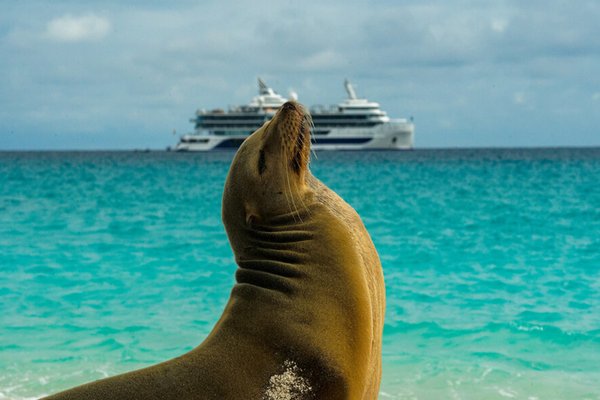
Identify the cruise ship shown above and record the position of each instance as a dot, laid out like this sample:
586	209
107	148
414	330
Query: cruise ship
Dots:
353	124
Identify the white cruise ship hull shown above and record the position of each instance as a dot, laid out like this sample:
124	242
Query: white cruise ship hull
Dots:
393	135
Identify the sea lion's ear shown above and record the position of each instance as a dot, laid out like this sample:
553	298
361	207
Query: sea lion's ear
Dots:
251	214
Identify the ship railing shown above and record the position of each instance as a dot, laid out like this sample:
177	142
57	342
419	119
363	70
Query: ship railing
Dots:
319	108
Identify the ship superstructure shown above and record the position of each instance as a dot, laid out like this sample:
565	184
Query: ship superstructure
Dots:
353	124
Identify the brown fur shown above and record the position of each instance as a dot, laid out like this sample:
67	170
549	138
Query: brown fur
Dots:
305	318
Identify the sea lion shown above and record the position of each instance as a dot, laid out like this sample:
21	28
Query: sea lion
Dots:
305	317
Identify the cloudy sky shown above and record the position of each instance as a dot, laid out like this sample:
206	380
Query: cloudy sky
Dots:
105	75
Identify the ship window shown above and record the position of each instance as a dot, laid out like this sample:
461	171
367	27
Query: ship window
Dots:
195	140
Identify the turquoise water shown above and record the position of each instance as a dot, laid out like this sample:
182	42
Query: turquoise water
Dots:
114	261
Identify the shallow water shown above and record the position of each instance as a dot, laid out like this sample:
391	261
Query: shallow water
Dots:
114	261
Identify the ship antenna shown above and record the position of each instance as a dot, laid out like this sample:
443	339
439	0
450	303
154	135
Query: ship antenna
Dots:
350	90
262	87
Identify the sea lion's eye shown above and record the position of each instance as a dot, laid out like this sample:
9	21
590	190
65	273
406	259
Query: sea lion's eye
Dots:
261	162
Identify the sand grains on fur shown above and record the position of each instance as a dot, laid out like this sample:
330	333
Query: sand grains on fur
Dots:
289	385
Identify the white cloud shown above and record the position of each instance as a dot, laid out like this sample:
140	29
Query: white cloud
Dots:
596	96
322	59
519	98
498	25
69	28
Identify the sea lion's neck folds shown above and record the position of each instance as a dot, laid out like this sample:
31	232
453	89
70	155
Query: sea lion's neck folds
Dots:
274	253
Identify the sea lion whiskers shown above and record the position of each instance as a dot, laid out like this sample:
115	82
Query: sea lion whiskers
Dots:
305	139
287	190
283	157
313	139
297	145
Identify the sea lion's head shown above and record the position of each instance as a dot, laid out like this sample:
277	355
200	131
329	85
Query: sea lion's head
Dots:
268	175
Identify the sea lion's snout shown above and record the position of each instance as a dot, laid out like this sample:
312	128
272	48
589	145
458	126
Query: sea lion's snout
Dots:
291	113
290	105
292	125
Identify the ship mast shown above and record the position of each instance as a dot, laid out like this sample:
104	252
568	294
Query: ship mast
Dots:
263	88
350	90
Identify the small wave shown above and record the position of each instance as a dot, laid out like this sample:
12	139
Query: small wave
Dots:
529	347
529	328
507	359
507	393
539	331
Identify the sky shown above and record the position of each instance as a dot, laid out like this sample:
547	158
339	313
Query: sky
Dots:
108	75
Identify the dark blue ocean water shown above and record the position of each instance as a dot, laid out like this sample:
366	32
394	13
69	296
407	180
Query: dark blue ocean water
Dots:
114	261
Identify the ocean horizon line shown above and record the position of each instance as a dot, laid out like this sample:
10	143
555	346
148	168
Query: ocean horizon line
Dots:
434	148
